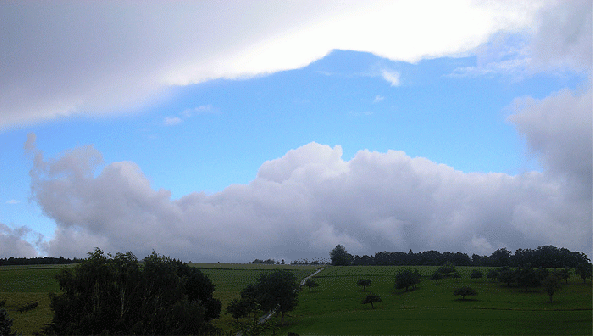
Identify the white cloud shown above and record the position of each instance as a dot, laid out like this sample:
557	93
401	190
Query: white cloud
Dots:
309	200
378	98
12	202
93	58
391	76
170	121
13	243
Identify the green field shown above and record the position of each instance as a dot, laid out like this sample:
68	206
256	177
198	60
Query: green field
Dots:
20	285
335	306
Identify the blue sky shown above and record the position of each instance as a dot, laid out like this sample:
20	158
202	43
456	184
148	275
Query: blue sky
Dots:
284	127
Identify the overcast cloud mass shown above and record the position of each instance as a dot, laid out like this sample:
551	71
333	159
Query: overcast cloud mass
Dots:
311	199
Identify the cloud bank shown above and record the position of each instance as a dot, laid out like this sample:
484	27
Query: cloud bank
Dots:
92	58
14	244
309	200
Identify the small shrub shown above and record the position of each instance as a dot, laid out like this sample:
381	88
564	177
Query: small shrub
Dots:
476	274
492	274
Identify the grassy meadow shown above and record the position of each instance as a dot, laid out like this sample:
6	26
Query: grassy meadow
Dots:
21	285
335	306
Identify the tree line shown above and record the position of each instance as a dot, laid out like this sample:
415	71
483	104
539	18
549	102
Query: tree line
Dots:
37	261
543	256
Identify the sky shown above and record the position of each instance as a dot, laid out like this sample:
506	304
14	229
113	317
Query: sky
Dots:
228	131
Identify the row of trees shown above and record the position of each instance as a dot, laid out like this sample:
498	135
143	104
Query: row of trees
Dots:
118	295
37	261
543	256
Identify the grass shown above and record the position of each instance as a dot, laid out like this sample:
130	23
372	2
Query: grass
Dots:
335	306
21	285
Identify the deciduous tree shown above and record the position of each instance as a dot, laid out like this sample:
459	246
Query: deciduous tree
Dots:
464	291
364	283
105	294
552	284
371	298
340	257
407	278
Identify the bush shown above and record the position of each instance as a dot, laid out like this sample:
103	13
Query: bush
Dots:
446	271
476	274
492	274
5	321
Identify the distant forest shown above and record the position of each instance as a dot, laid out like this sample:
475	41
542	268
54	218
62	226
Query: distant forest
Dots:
37	261
543	256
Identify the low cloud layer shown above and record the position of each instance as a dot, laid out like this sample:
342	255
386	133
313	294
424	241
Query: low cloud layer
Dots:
309	200
13	242
92	58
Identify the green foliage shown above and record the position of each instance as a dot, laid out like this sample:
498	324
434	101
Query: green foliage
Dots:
340	257
407	278
492	274
465	291
5	321
552	284
117	296
371	298
476	274
564	274
446	271
527	277
276	290
506	275
584	270
364	283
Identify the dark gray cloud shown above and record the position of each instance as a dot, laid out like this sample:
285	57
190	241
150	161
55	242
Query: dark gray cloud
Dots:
309	200
13	242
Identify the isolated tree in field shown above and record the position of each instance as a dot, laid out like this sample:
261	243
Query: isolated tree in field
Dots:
476	274
311	283
552	284
277	290
371	298
564	274
364	283
506	275
340	257
492	274
407	278
527	277
584	270
464	291
114	295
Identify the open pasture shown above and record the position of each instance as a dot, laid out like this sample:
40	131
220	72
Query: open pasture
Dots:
335	306
20	285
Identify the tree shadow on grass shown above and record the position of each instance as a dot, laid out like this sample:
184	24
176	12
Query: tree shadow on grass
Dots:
467	300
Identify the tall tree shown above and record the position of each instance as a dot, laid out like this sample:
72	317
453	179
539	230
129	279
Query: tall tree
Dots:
371	298
340	257
277	290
